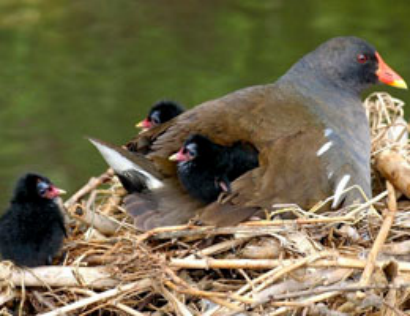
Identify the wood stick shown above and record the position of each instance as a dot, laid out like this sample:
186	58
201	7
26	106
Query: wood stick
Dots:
190	290
274	275
127	309
381	237
341	288
299	221
210	231
178	305
262	264
5	297
119	305
288	269
139	285
214	297
394	168
90	186
391	297
327	276
311	300
59	276
98	221
220	247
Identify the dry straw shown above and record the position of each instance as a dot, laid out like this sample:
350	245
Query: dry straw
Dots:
350	262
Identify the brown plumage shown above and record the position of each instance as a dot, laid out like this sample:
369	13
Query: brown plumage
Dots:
309	127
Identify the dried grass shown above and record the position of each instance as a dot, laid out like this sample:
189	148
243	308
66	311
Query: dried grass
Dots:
350	262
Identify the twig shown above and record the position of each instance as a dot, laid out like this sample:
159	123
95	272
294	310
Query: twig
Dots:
5	297
261	264
393	309
90	186
43	300
183	310
211	231
310	300
381	237
98	221
340	288
139	285
127	309
58	276
393	167
299	221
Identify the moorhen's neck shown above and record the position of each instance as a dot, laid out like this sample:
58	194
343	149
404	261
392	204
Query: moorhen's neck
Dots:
332	102
314	76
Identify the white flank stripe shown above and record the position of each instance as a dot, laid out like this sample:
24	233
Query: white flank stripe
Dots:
330	174
339	190
328	132
121	164
324	148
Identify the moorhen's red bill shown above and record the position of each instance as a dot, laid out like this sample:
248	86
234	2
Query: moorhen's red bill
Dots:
160	112
309	128
32	229
206	169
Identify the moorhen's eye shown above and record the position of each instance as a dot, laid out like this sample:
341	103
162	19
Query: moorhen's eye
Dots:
361	58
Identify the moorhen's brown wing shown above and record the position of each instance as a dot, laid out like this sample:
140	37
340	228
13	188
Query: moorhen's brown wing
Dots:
284	132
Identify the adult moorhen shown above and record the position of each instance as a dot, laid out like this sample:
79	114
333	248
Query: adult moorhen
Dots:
160	112
32	229
309	128
206	169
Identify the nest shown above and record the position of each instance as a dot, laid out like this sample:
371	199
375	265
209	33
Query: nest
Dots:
353	261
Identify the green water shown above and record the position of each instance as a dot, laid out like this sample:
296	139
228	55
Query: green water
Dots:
71	68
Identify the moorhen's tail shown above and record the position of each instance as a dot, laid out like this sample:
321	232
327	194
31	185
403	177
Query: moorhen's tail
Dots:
135	172
152	200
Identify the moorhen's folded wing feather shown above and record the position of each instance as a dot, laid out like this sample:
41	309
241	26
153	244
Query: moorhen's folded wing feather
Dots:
167	206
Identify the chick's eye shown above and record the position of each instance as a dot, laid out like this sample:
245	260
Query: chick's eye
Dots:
361	58
42	187
155	118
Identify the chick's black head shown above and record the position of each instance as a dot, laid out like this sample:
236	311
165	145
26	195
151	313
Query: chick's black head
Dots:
196	147
164	111
32	186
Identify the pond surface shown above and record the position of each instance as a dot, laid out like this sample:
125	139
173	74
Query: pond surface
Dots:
71	68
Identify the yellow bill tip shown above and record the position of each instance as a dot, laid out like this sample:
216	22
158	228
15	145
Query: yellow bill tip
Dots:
400	84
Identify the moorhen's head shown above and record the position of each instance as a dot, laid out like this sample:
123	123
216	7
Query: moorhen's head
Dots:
160	113
349	63
195	147
34	187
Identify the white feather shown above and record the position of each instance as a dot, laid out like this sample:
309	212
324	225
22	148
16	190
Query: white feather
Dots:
328	132
324	148
339	190
121	164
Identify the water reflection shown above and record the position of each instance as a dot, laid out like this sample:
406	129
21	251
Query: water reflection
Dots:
76	68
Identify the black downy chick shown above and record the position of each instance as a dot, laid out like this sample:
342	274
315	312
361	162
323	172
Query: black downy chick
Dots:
160	113
206	169
32	228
